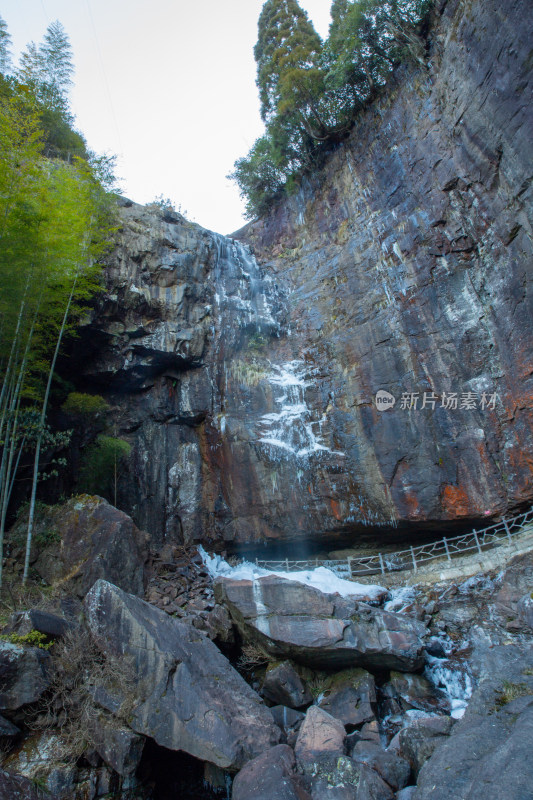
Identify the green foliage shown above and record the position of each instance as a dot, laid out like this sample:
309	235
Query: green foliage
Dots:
311	92
286	53
47	69
56	223
257	342
5	45
102	465
86	404
32	639
47	537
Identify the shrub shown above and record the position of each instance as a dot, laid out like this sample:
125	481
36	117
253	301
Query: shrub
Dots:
88	404
32	639
79	668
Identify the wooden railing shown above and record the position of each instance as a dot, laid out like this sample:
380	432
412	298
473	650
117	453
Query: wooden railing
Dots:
413	558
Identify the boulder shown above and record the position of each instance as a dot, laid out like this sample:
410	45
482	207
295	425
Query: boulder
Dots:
219	625
7	728
16	787
334	778
372	786
406	794
23	622
417	741
46	761
23	675
320	735
268	776
404	692
350	696
287	718
341	778
370	732
393	769
487	753
96	541
292	620
283	685
119	747
188	696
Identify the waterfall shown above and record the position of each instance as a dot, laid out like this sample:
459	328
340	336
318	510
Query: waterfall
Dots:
245	297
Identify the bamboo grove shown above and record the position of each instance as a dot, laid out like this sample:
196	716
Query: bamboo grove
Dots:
56	220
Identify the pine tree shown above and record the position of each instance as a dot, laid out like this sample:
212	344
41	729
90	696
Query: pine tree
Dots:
287	44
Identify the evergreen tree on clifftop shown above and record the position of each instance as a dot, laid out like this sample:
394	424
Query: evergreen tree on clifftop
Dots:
311	92
287	54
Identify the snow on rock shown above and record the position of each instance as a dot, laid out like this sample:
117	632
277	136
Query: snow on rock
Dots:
319	578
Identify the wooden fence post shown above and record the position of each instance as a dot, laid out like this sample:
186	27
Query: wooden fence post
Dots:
349	566
477	541
256	562
446	548
414	559
381	564
287	564
508	532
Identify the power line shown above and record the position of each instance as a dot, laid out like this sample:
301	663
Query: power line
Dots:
106	82
44	12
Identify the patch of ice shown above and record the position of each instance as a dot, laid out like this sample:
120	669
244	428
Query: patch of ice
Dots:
292	429
456	683
478	582
401	597
320	578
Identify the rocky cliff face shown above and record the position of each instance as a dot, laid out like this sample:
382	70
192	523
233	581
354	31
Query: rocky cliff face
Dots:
247	384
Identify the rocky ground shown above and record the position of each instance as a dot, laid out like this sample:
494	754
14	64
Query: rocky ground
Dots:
193	688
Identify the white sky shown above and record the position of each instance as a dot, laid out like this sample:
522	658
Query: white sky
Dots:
168	86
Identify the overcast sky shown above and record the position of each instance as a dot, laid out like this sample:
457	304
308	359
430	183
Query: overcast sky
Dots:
168	86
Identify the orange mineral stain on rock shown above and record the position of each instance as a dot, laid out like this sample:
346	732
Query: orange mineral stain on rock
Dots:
335	509
455	501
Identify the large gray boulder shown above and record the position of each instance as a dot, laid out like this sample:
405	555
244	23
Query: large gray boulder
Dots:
188	696
488	753
96	541
392	768
17	787
270	775
320	735
24	675
291	620
418	741
282	685
350	696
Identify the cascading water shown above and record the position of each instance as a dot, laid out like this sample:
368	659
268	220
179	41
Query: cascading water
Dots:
267	407
244	296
